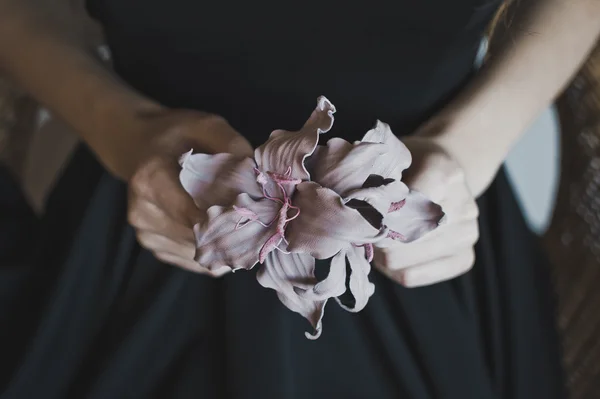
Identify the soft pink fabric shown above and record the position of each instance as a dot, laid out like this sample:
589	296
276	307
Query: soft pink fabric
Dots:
297	201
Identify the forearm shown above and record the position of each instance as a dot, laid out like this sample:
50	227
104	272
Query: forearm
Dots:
42	48
532	59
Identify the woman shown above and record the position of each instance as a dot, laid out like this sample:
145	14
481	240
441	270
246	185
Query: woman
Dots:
101	318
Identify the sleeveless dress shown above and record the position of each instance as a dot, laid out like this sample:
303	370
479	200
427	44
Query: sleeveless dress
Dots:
86	313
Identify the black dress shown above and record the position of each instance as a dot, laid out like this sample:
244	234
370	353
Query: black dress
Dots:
88	314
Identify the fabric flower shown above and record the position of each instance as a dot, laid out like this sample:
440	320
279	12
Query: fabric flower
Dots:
367	177
296	202
371	171
268	183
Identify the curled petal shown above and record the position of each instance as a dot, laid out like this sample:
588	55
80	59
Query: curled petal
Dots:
284	273
217	179
325	225
416	217
333	285
230	238
360	286
344	167
286	151
381	197
398	152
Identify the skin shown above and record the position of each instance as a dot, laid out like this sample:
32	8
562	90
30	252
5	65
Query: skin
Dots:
460	150
456	154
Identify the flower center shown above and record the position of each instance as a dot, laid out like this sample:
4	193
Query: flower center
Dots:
274	182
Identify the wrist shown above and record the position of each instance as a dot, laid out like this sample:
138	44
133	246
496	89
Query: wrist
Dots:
120	129
472	141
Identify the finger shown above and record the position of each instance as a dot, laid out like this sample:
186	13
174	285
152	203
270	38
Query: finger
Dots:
157	181
190	265
444	241
458	203
436	271
225	138
469	210
146	216
437	179
158	243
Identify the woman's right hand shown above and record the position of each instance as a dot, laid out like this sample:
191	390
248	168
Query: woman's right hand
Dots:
135	138
160	210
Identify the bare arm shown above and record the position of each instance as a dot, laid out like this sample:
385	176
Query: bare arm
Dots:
532	59
43	47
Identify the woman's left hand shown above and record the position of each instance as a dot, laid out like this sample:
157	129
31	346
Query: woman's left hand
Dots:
447	251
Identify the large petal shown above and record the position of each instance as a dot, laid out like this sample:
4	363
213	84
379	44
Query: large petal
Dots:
399	157
285	273
230	236
325	225
217	179
333	285
286	151
344	167
416	217
360	286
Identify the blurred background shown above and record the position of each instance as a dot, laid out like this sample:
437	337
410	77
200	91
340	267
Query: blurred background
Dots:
533	168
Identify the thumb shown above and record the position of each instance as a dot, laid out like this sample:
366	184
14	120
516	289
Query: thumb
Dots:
224	138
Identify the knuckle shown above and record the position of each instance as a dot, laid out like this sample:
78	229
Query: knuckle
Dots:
141	181
471	210
454	173
466	233
468	259
135	216
385	259
144	240
139	185
472	234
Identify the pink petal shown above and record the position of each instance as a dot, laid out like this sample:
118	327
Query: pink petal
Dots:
286	149
220	242
325	225
333	285
398	154
217	179
284	273
360	286
382	197
344	167
417	217
269	246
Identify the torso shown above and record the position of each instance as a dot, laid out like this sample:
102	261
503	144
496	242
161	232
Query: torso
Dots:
262	64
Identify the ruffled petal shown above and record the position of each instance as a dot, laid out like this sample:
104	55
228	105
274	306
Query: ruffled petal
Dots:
325	225
413	218
217	179
236	236
344	167
333	285
360	286
284	273
286	151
